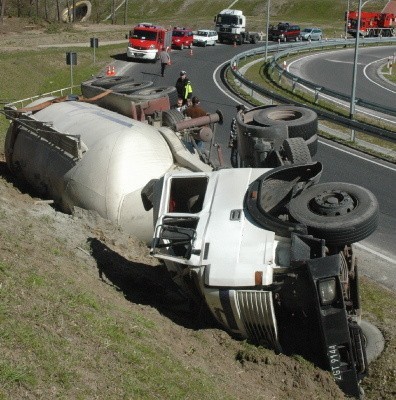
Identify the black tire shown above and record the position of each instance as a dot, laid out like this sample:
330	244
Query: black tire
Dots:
156	92
131	87
296	151
109	81
301	121
171	117
374	340
341	213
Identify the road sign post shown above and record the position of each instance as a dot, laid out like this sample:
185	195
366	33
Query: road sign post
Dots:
71	59
94	43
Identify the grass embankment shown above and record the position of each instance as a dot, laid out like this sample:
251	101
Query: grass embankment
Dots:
38	72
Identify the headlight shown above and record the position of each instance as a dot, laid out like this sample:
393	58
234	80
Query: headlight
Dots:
152	46
327	291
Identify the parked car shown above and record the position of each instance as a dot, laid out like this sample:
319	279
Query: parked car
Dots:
284	32
182	37
311	34
205	37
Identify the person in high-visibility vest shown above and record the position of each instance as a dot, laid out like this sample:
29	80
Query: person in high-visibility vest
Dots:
184	87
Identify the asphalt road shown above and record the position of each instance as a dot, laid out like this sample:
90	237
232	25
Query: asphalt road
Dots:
340	164
334	70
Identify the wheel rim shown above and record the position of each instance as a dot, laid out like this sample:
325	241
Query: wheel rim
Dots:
332	203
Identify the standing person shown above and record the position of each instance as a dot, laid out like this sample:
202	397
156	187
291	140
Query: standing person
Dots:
183	87
195	110
233	142
165	60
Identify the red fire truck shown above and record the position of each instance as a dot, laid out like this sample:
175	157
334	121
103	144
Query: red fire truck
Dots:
145	40
371	23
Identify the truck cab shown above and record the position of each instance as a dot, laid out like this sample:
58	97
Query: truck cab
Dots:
229	23
146	40
227	237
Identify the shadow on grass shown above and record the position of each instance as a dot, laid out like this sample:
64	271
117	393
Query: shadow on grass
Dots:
150	285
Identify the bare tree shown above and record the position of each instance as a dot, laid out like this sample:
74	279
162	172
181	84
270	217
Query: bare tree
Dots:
3	4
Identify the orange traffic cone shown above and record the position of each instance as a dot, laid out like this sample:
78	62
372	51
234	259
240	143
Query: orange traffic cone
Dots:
113	71
108	71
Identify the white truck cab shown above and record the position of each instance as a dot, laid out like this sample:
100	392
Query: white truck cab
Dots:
232	238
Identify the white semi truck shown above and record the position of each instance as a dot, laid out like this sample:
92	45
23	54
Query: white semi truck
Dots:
230	26
267	247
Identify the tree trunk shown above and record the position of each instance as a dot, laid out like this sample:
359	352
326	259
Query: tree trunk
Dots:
3	4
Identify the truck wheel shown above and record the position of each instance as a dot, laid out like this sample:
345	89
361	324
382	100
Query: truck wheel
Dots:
109	81
155	92
131	87
301	121
296	151
341	213
171	117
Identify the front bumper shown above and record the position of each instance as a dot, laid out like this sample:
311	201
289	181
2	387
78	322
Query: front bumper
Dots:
141	54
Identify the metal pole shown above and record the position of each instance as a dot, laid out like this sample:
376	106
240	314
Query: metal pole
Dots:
71	77
346	22
355	61
94	49
266	30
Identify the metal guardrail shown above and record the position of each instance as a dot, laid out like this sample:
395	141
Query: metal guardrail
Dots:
299	48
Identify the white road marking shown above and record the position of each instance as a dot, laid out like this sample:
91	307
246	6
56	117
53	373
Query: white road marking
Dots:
376	253
336	101
376	83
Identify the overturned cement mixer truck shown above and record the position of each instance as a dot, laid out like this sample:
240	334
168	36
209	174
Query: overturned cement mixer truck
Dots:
267	247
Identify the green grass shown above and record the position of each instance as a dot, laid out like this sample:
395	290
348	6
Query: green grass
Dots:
31	76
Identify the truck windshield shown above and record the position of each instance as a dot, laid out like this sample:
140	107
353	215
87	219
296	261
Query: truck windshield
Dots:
178	33
227	19
144	35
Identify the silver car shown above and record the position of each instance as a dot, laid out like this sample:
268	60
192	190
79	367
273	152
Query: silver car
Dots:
311	34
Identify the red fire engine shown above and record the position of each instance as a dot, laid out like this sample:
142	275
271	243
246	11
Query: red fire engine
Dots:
145	40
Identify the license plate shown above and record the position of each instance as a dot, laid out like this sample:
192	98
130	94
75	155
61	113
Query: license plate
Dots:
334	357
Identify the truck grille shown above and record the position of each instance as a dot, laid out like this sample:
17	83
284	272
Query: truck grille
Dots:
258	317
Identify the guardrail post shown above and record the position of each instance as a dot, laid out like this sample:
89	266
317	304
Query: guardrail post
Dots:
280	75
352	135
317	91
295	80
